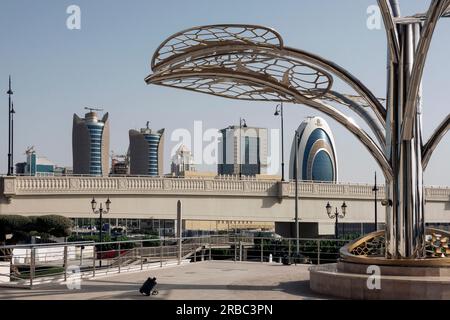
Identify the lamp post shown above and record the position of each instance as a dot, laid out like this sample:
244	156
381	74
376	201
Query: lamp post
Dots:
100	212
336	215
296	169
375	189
12	138
279	112
242	124
10	130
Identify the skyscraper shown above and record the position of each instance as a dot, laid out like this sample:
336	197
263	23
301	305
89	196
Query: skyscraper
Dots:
242	150
146	152
90	144
317	152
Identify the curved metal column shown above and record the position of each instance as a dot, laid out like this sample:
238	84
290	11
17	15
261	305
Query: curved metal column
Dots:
361	111
435	12
434	140
391	31
405	219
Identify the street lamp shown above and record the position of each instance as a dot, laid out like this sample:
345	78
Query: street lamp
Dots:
242	124
336	215
375	189
279	112
296	169
10	130
100	211
12	137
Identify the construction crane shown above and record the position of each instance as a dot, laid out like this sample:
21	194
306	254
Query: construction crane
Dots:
92	109
29	150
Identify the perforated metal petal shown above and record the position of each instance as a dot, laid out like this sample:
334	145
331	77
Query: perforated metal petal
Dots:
308	81
190	39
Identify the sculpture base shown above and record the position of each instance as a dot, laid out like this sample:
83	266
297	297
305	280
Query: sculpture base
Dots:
353	281
363	272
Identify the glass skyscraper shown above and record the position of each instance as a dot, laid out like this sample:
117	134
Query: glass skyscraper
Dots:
90	144
95	132
242	150
316	152
146	152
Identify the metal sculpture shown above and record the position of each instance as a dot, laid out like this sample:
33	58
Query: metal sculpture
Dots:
250	62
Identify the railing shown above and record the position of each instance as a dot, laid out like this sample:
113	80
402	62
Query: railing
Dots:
59	185
26	185
29	265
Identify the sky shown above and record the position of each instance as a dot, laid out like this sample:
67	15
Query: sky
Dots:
57	72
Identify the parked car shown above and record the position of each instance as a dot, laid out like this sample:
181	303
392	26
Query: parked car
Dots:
268	234
295	259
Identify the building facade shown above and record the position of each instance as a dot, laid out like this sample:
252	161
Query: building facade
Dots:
35	165
40	166
317	157
119	164
146	152
90	144
242	151
182	162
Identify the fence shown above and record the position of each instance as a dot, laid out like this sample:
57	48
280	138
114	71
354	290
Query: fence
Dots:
29	265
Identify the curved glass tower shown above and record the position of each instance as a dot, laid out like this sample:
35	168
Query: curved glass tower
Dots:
146	152
317	152
90	144
95	161
153	144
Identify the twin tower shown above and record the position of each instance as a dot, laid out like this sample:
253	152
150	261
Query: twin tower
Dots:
90	147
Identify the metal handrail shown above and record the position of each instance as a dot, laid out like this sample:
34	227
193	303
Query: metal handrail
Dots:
209	247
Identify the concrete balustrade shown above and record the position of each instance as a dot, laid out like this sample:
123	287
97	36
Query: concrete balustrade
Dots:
22	185
223	198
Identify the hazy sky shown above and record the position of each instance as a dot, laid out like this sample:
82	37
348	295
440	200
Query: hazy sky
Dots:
57	71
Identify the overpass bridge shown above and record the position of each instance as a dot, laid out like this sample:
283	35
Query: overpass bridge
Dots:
202	198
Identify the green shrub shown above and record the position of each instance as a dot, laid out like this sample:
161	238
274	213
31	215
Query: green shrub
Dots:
55	225
23	228
151	243
12	223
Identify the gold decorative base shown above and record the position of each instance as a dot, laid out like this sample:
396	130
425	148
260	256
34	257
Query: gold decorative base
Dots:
370	250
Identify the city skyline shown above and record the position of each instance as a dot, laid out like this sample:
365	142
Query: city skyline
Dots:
110	74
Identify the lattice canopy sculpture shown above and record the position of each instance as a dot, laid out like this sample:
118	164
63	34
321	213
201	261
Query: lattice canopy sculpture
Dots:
250	62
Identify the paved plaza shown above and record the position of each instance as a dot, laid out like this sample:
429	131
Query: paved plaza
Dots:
215	280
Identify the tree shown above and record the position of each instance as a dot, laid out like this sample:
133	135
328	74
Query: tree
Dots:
57	226
22	227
